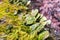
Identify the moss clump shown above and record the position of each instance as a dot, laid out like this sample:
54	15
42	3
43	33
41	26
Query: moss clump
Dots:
19	24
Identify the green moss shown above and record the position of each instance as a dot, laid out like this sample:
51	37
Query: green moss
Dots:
22	25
